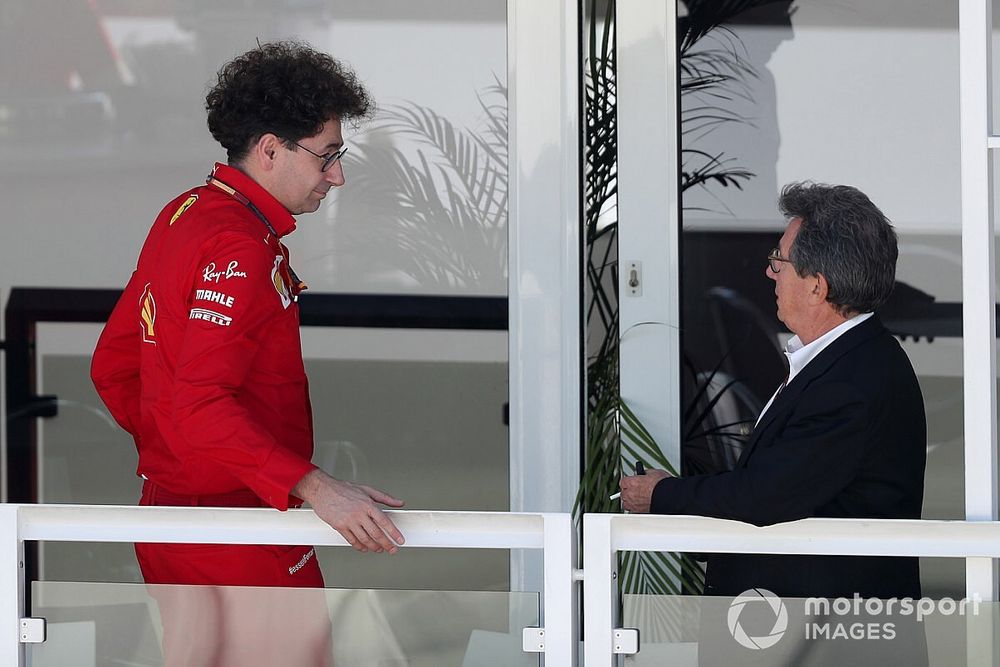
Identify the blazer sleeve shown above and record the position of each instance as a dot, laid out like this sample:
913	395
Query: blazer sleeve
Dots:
808	460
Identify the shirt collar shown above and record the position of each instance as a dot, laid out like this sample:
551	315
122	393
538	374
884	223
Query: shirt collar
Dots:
273	210
799	355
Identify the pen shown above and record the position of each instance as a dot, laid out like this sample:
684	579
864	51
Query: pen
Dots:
639	470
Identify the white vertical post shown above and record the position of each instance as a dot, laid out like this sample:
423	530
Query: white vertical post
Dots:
561	611
978	279
649	216
11	587
545	350
600	590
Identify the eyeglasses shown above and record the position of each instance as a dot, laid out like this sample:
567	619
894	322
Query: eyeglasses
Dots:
774	260
327	158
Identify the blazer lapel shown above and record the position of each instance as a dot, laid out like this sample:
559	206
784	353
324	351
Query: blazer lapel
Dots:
789	396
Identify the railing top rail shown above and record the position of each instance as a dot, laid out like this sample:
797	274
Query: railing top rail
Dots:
862	537
224	525
508	530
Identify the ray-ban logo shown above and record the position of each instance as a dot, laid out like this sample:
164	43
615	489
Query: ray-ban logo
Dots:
211	275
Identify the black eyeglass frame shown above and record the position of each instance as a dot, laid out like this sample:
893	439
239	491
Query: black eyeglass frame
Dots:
328	158
773	258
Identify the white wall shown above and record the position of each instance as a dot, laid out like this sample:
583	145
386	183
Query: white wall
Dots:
854	94
76	209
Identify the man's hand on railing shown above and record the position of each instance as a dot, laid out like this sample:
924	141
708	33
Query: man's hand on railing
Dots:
637	490
352	511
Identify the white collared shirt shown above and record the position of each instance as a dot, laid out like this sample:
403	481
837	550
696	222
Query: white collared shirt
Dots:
799	355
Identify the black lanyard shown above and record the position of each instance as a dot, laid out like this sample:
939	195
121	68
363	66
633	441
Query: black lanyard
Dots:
297	284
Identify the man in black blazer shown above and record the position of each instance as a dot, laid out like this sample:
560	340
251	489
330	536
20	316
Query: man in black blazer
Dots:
845	436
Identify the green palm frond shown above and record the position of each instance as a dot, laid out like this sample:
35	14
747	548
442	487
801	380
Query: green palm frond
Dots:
713	73
657	573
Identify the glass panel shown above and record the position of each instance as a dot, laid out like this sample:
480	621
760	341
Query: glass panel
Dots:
110	114
761	629
134	624
122	91
410	427
809	108
84	457
994	73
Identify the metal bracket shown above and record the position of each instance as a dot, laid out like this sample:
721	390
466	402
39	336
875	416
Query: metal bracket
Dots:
32	630
626	641
533	640
45	406
634	278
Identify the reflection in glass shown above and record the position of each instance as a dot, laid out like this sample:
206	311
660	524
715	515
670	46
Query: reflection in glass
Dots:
111	624
853	125
758	628
102	120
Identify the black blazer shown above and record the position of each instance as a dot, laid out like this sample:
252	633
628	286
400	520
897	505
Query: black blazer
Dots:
846	438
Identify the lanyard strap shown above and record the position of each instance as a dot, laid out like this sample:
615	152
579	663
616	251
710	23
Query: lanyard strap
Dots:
297	284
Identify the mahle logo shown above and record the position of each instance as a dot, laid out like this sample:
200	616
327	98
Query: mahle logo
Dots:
757	598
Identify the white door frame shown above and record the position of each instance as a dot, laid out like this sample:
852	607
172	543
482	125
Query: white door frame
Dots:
544	284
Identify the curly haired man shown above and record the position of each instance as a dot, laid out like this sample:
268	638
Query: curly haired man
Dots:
201	359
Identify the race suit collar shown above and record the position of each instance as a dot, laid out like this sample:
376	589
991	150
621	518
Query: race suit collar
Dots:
276	214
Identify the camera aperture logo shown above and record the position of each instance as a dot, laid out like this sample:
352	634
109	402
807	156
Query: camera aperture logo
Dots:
757	597
839	619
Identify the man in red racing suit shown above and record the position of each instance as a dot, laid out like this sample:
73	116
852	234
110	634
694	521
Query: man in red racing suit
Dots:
201	360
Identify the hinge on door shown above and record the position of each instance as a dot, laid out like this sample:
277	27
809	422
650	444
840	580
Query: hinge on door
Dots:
32	630
626	641
533	640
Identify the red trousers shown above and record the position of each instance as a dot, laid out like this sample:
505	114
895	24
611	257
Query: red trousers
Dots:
235	604
223	564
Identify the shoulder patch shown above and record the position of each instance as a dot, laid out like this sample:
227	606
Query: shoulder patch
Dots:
188	203
278	281
147	315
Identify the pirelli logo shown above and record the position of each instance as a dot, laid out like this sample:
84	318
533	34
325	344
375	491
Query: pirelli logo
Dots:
210	316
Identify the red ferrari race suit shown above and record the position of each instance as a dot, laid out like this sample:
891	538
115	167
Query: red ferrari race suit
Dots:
201	362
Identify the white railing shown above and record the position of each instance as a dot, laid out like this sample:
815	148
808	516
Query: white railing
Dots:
552	533
607	534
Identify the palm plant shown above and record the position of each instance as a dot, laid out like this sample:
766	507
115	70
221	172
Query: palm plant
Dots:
710	76
443	205
439	207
